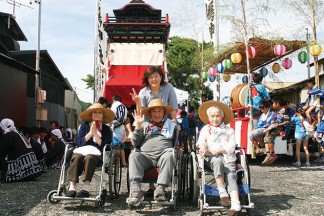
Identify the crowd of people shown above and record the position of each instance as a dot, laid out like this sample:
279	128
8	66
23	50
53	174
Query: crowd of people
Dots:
27	152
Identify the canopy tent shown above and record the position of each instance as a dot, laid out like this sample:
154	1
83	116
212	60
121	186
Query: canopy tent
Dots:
264	53
182	97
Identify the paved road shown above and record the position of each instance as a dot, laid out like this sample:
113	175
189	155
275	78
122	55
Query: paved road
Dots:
277	190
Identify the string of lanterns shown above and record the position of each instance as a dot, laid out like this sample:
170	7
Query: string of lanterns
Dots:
279	50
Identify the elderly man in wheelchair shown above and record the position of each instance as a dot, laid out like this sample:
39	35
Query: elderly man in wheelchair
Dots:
153	143
216	145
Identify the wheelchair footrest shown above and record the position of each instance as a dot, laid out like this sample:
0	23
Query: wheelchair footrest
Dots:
213	191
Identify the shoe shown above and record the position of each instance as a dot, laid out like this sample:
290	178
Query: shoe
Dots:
266	159
319	160
296	164
225	201
159	194
135	198
149	193
307	164
83	194
232	212
70	193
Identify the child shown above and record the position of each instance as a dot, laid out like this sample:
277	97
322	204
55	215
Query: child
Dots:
217	144
183	135
300	136
265	120
282	118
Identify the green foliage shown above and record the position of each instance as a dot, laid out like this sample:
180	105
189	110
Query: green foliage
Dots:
185	65
84	105
90	80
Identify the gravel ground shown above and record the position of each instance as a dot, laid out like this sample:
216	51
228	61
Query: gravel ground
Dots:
276	190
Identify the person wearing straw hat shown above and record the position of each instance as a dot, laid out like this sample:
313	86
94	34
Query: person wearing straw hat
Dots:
93	134
216	145
154	140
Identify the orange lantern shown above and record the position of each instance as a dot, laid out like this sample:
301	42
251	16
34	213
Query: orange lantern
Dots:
276	67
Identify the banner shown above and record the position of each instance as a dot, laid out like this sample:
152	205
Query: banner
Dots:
210	14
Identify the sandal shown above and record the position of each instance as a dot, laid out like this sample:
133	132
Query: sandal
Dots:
149	193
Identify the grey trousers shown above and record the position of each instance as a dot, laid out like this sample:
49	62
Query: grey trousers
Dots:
220	168
140	162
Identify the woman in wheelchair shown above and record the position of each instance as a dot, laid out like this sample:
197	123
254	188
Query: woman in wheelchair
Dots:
216	144
93	134
154	141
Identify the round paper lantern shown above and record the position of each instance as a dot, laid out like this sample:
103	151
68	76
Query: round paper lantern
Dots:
251	52
220	68
226	77
279	49
286	63
302	57
315	50
212	71
236	58
227	63
263	71
212	78
204	75
245	79
276	67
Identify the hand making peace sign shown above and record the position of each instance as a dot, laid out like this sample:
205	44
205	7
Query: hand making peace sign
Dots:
135	97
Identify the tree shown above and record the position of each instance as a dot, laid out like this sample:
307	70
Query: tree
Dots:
184	65
89	80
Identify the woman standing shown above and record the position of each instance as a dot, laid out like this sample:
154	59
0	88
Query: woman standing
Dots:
92	136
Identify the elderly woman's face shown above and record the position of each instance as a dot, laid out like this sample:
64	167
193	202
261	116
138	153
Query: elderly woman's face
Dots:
97	115
215	117
157	114
154	79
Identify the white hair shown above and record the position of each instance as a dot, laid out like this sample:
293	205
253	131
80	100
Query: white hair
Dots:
210	109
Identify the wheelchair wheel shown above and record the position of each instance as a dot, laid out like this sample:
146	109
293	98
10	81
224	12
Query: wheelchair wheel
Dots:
117	175
50	198
193	178
180	175
201	206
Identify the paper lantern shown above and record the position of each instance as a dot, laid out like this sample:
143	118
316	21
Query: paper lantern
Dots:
220	68
279	49
236	58
212	78
204	75
251	52
286	63
226	77
227	63
245	79
302	57
212	71
263	71
276	67
315	50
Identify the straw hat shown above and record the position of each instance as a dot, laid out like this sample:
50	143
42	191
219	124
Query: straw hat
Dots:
228	113
108	114
154	104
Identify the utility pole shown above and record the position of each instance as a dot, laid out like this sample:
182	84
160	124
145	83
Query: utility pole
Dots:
37	67
216	46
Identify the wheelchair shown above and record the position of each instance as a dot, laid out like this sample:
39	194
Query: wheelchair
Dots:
200	187
109	177
151	175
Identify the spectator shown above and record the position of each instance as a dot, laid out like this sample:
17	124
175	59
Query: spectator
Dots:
55	155
192	121
311	100
267	118
42	135
53	125
204	98
183	134
20	160
37	147
259	93
62	129
121	119
104	102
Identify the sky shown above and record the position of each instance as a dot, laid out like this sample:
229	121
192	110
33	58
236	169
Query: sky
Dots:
68	33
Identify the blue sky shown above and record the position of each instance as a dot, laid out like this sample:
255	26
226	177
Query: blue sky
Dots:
68	33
